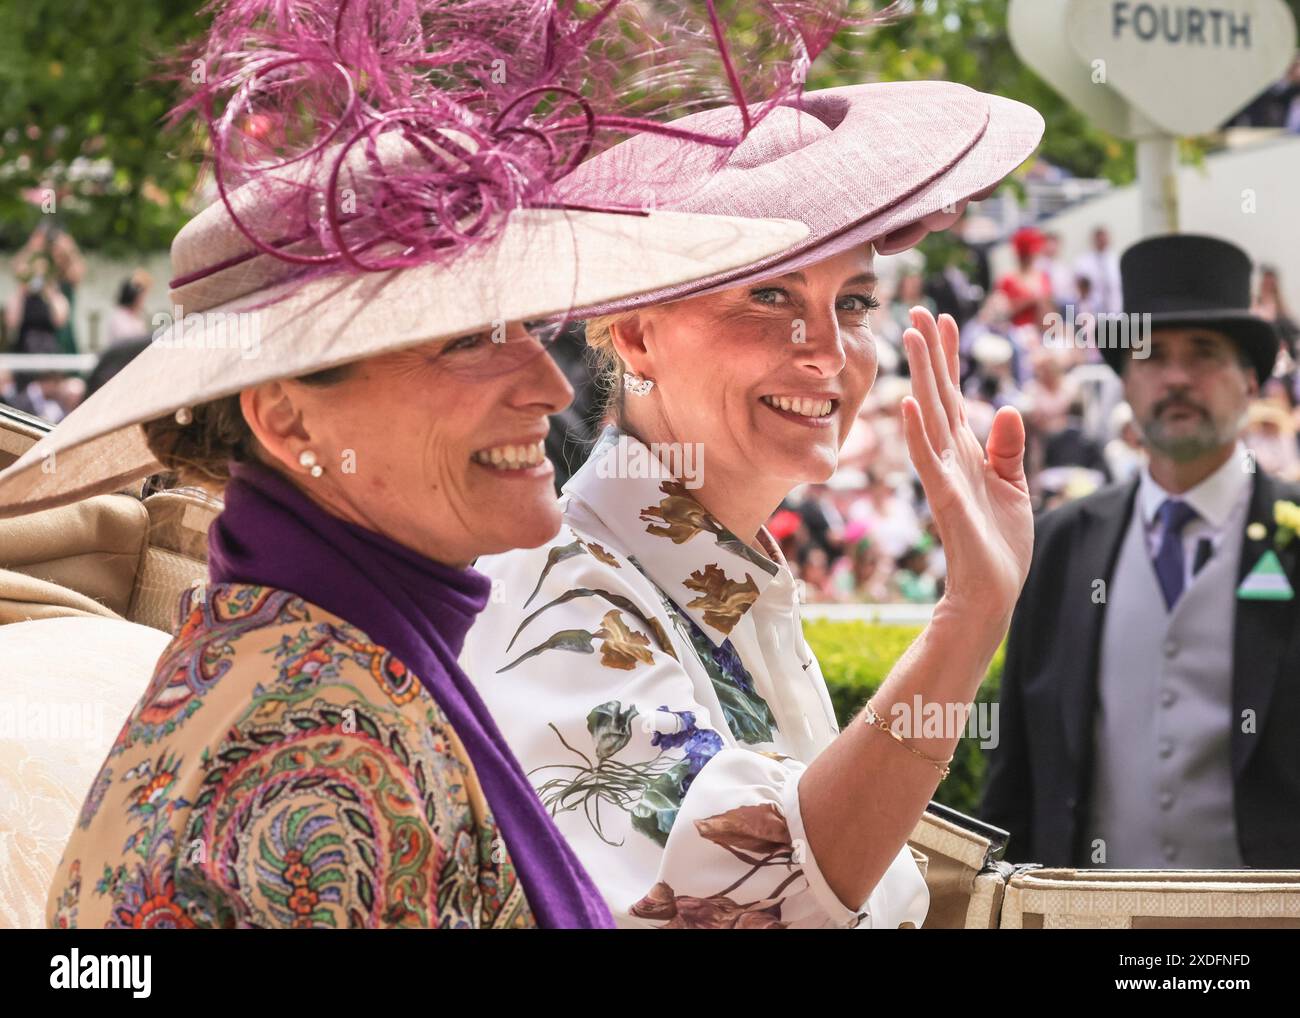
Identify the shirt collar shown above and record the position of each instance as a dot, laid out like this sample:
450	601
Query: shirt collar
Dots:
1214	498
706	570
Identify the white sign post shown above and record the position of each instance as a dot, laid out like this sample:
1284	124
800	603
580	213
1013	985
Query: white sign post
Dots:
1176	67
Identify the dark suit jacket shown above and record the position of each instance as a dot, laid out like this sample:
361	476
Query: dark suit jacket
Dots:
1039	774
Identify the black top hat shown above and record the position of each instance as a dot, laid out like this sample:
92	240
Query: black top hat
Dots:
1183	279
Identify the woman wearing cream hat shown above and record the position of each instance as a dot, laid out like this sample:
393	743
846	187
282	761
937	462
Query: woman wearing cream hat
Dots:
647	665
346	364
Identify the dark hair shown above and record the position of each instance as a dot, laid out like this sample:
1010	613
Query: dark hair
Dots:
200	452
127	293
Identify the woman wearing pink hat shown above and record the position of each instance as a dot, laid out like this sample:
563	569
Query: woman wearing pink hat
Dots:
346	364
647	665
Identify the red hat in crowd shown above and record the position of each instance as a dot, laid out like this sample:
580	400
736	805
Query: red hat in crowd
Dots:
1028	241
783	524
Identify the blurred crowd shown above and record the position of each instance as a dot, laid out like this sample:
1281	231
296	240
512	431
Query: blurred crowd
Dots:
867	534
1276	107
39	321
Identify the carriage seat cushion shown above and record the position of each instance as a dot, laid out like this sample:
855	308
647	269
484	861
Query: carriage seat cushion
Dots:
68	685
93	548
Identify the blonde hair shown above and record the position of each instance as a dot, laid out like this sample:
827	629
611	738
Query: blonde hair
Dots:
609	365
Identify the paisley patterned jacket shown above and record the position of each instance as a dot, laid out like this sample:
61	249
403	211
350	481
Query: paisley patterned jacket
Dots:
283	771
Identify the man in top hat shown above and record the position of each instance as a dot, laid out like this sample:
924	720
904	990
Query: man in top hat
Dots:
1149	700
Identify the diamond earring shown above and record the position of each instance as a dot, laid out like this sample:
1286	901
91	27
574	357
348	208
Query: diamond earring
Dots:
637	385
307	459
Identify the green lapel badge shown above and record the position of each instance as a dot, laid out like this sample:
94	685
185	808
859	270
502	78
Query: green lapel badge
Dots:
1267	581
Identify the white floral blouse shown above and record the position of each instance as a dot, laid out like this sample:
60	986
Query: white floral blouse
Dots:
649	671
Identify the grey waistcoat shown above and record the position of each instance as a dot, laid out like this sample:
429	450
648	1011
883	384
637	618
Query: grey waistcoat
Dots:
1162	779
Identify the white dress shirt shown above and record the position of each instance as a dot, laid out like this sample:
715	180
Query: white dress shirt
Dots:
1218	500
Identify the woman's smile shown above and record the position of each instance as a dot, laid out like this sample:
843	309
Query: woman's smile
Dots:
808	411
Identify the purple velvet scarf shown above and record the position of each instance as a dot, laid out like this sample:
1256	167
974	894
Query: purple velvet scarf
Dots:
273	535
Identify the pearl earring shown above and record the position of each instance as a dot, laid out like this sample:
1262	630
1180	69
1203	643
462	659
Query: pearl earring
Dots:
637	385
184	416
307	459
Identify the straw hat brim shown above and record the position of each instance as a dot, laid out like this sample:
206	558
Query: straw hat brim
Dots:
543	263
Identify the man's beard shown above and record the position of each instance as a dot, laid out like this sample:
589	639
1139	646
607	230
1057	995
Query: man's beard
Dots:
1184	446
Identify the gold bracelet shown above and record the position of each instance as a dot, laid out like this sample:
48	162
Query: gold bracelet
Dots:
876	721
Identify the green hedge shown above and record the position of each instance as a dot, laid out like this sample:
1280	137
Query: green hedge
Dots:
855	657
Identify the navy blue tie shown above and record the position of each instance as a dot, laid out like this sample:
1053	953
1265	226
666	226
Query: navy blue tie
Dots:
1173	515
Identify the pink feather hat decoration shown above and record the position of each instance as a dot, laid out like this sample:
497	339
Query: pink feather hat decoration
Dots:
501	98
387	174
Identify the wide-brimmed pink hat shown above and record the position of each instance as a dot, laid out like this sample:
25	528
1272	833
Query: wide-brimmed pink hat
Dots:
387	176
883	164
238	321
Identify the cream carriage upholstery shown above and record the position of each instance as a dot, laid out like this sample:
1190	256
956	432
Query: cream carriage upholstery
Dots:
87	597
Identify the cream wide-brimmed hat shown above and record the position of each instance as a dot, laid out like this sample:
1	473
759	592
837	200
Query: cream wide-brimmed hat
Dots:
238	320
388	176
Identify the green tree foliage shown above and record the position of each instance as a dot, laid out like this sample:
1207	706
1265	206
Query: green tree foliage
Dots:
856	657
79	82
80	109
966	41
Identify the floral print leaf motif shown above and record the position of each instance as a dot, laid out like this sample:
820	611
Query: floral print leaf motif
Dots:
622	647
602	555
610	726
760	829
659	903
682	517
605	780
759	836
723	601
739	548
619	601
302	868
578	640
746	713
656	811
651	791
553	558
716	912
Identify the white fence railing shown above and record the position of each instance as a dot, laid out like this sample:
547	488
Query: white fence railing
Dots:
887	614
73	363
